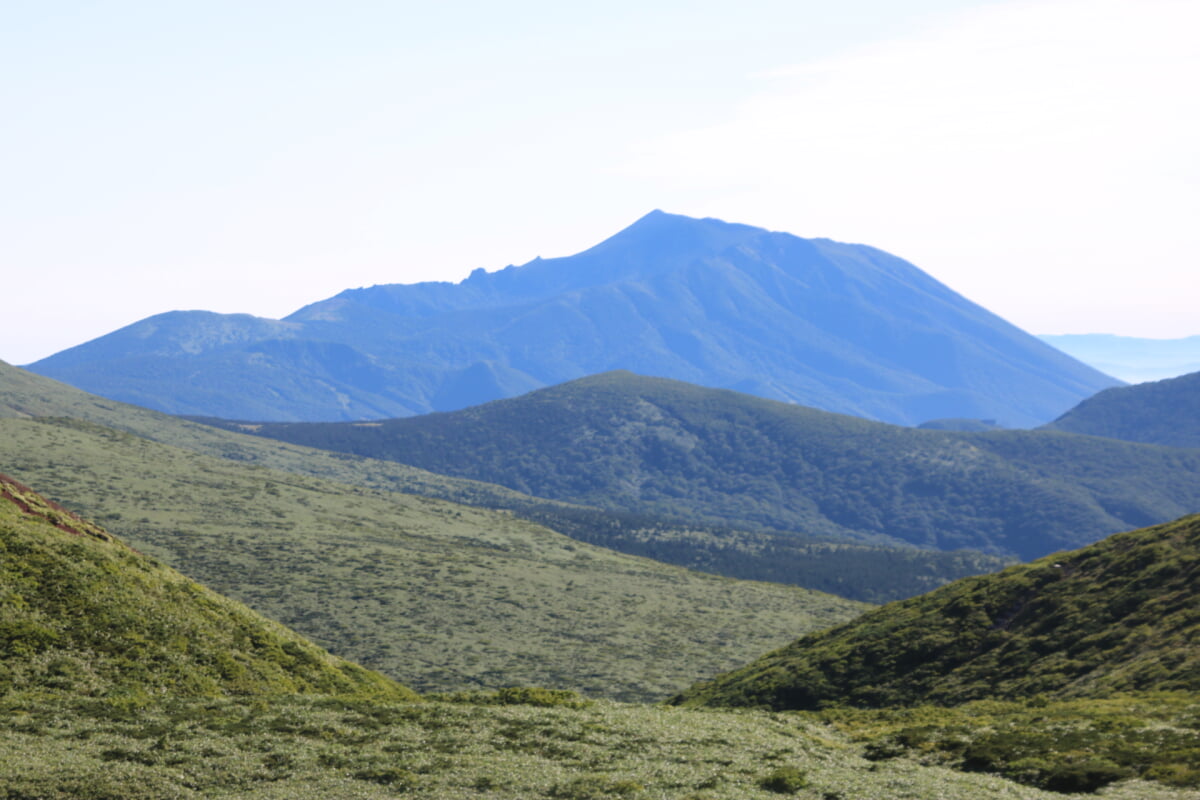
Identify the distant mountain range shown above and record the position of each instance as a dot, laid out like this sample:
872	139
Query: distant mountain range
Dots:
840	327
1130	358
655	446
1118	616
1160	412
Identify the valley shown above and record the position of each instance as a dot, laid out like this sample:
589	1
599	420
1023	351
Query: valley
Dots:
460	601
568	592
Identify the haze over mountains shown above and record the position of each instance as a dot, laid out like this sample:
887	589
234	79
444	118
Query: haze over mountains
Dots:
841	327
1131	358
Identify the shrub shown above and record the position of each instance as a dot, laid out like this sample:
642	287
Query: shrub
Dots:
1085	776
785	780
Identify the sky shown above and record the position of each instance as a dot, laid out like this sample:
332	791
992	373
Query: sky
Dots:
1039	158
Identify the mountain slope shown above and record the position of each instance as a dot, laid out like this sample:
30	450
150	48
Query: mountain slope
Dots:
82	613
861	572
842	327
438	595
622	441
1163	412
1120	615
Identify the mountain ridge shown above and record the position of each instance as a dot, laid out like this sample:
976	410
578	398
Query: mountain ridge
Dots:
843	327
438	595
1164	412
867	573
627	442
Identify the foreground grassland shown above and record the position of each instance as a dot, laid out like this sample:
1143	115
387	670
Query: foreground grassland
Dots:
437	596
489	747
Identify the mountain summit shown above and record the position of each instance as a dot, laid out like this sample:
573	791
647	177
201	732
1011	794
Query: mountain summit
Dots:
840	327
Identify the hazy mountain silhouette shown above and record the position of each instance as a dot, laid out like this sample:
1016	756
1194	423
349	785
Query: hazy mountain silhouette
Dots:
841	327
1131	358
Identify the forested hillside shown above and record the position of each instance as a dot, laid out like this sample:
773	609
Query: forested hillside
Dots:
1164	412
653	446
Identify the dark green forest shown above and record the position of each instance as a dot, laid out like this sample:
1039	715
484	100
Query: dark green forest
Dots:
1163	412
669	449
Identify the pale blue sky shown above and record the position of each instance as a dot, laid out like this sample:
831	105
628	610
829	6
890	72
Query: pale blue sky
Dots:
1038	157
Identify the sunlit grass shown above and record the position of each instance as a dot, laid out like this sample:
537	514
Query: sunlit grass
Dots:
348	748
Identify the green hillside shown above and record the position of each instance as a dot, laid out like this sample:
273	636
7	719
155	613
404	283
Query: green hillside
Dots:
436	595
464	597
872	573
625	442
1121	615
85	615
1164	412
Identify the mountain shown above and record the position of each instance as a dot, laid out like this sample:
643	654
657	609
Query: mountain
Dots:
1162	412
841	327
437	595
1130	358
626	442
868	572
82	613
1117	616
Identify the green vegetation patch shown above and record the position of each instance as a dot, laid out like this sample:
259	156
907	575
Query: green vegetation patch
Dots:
1061	746
81	613
1159	412
439	596
624	442
302	748
869	573
1121	615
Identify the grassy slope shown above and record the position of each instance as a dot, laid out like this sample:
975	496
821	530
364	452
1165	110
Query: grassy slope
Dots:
436	595
867	573
1117	616
82	613
1164	412
310	749
623	441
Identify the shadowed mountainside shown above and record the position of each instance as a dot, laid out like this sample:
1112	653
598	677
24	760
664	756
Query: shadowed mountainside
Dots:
869	573
1163	412
651	445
